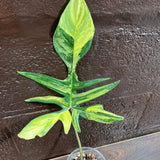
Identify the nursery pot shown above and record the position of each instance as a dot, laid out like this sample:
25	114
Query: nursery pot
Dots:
87	151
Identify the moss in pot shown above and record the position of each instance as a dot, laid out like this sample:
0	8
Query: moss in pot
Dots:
72	40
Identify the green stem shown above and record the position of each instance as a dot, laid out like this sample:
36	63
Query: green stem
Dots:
79	144
71	75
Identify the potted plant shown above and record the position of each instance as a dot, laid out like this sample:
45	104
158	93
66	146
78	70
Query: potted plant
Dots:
72	39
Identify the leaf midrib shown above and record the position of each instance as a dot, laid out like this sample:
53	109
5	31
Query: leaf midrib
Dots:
73	64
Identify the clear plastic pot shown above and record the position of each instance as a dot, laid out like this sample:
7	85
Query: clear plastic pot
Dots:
86	150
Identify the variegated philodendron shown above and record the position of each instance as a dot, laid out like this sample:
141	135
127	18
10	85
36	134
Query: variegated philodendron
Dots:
72	39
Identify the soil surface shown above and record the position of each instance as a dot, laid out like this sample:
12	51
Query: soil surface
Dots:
86	157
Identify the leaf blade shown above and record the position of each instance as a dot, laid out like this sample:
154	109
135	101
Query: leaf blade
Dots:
41	125
47	81
66	120
75	120
49	99
85	84
98	114
73	36
38	127
94	93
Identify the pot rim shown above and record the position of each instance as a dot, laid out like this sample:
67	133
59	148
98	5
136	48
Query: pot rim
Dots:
86	148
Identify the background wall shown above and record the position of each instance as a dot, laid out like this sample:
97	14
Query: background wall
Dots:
126	46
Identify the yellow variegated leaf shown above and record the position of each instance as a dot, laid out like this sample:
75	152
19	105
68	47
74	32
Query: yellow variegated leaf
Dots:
49	99
72	39
94	93
66	119
73	36
75	120
41	125
98	114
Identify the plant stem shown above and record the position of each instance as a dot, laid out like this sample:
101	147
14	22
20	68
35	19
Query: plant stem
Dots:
79	144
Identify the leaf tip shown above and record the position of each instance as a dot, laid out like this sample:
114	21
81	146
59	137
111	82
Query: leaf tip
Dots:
66	132
107	79
120	118
19	135
27	100
22	136
116	83
79	130
21	73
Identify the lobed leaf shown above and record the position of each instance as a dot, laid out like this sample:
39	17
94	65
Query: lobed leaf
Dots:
41	125
72	39
73	36
47	81
98	114
49	99
94	93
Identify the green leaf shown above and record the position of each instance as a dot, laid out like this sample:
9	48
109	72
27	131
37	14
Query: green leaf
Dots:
75	120
41	125
94	93
66	120
47	81
72	40
73	36
85	84
98	114
49	99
